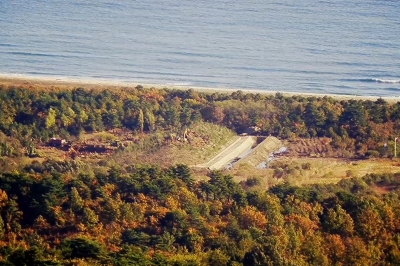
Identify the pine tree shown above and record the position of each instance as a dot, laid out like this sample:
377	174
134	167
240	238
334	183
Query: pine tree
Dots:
77	203
90	217
51	118
141	120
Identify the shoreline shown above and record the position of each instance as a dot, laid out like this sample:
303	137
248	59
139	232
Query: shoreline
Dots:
67	82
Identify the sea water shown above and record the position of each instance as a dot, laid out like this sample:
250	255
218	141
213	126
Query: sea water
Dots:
340	47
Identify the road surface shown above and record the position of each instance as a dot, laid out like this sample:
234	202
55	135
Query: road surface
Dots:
230	153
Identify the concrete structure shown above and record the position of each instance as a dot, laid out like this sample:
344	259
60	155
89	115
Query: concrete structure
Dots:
55	142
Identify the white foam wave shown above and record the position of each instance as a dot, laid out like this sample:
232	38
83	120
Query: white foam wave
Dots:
178	84
387	80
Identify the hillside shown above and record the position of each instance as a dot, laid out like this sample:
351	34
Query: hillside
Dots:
107	176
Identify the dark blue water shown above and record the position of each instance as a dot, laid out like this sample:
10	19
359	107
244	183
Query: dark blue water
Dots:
340	47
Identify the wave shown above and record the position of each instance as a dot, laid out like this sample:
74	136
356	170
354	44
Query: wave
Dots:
178	84
393	81
376	80
387	80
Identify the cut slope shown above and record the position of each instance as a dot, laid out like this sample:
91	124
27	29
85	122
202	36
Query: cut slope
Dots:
261	152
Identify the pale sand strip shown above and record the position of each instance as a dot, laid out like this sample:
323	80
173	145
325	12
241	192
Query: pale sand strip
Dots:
66	82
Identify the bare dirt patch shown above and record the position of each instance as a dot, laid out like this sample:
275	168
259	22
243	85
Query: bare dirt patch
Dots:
315	147
382	190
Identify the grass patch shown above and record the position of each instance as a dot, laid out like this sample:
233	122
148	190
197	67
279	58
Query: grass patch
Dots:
102	136
205	141
304	171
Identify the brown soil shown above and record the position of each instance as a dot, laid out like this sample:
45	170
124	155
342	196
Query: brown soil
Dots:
383	189
315	147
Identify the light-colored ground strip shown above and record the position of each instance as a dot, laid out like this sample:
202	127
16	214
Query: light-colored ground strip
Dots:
230	153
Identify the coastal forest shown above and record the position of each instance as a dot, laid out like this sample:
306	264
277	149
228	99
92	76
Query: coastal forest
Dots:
362	127
79	211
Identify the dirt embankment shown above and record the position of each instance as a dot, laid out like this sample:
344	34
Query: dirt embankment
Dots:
261	152
315	147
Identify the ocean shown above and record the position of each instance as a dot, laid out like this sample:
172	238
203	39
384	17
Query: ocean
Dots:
347	47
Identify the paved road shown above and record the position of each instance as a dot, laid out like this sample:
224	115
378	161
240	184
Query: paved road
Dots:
230	153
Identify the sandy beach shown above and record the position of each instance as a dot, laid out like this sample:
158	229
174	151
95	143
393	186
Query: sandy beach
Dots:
69	83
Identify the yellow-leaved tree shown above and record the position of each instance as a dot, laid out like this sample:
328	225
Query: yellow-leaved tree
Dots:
251	217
